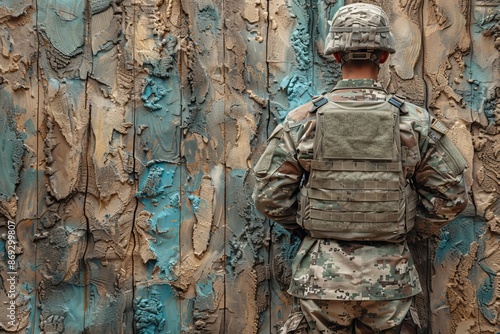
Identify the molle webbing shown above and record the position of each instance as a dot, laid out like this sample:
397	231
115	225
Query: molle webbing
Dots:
351	165
373	185
361	196
356	188
371	191
357	217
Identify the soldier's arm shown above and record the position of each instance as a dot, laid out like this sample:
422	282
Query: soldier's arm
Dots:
278	175
439	180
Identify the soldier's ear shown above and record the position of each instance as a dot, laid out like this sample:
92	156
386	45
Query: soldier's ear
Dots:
383	57
338	57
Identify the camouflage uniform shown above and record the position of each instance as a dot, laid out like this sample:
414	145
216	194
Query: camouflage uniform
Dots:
334	270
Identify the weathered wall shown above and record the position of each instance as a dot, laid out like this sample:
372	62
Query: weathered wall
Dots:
129	129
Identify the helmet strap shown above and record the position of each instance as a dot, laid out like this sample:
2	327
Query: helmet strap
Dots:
356	55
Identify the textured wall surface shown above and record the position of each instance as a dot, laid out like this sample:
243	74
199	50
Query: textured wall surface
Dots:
129	129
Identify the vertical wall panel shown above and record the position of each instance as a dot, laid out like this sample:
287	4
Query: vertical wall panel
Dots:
158	115
325	70
283	76
200	276
62	229
19	156
459	76
245	96
485	110
110	196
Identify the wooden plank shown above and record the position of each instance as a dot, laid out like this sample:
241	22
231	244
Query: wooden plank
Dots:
291	41
467	253
157	100
200	275
19	155
60	234
326	71
445	30
483	101
403	73
247	236
110	196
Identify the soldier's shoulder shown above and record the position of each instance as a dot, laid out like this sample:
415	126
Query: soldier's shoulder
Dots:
412	107
414	111
301	113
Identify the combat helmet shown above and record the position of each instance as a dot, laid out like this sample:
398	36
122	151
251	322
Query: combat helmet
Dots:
358	30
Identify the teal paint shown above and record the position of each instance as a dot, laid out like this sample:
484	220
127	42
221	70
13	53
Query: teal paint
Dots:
27	287
486	296
250	241
458	235
159	119
99	6
3	253
160	114
14	8
158	192
300	41
30	201
483	77
153	93
298	85
29	128
11	146
326	71
195	202
196	121
62	309
205	287
489	109
208	20
63	22
298	88
155	310
474	90
149	316
290	244
456	239
153	185
165	65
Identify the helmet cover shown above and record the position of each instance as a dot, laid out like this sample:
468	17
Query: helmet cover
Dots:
359	27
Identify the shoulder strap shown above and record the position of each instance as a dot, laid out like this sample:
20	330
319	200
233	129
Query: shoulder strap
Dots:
397	101
317	102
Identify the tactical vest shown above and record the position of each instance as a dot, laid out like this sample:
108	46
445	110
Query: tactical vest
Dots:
356	189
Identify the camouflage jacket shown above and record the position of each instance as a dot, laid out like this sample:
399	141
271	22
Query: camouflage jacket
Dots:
333	269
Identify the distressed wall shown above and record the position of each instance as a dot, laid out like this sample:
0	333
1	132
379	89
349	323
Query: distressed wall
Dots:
129	132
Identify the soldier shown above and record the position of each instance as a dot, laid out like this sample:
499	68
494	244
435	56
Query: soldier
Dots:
356	172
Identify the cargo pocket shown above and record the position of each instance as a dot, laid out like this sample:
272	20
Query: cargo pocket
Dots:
411	198
303	215
263	166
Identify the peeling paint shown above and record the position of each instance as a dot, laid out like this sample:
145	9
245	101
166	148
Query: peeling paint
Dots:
11	149
130	129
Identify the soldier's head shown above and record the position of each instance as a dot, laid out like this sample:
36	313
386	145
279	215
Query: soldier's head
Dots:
360	33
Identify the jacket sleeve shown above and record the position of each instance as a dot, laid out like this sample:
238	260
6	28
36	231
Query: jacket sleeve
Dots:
439	180
278	175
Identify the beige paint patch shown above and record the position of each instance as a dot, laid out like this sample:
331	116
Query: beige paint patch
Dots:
204	218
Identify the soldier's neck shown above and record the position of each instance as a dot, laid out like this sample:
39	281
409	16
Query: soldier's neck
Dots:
359	72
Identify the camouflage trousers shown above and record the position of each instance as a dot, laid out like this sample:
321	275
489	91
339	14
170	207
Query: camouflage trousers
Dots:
347	317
